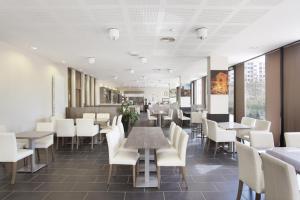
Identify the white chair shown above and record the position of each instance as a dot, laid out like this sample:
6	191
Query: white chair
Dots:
122	139
103	118
169	117
292	139
150	117
248	121
175	141
46	142
21	143
9	153
205	132
280	179
219	135
86	128
89	116
108	129
118	157
196	119
174	159
260	125
261	139
65	128
171	132
183	118
250	170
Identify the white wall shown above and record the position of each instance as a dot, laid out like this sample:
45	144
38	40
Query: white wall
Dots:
26	88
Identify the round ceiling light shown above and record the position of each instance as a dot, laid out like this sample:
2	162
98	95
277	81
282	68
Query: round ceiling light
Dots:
91	60
202	33
167	39
144	60
131	71
114	33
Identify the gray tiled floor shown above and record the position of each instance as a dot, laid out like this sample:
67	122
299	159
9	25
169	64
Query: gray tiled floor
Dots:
81	175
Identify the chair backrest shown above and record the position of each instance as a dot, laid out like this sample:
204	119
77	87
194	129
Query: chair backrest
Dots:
172	131
184	138
196	117
250	167
53	119
178	114
103	117
119	119
113	143
65	128
8	147
248	121
261	139
45	126
121	131
204	127
114	121
176	136
148	113
262	125
212	129
204	114
292	139
171	113
89	116
280	179
84	126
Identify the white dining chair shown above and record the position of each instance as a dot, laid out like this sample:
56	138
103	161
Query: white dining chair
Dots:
260	125
169	117
261	139
103	118
248	121
250	170
65	128
183	118
150	117
196	123
89	116
105	130
86	128
122	139
280	179
9	152
175	141
292	139
174	159
46	142
171	132
219	135
119	157
21	143
205	132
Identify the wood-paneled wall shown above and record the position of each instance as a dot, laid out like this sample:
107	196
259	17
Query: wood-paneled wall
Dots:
239	91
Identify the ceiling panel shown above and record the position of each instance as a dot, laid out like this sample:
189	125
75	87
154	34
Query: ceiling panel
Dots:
230	29
213	15
248	15
144	15
269	3
183	2
178	15
222	3
107	15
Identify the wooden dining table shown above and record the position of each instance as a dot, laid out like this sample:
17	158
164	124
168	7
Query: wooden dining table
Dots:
146	138
32	136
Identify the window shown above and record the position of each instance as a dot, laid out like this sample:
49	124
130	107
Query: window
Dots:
231	91
255	88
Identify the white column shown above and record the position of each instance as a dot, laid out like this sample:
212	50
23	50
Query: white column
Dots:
217	103
87	89
82	89
73	88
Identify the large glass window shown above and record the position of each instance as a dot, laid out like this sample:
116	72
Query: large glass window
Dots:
231	93
255	85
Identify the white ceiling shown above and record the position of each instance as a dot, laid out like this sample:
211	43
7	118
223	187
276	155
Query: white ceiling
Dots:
73	30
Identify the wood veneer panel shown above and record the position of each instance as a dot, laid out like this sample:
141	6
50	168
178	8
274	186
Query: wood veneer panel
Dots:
239	92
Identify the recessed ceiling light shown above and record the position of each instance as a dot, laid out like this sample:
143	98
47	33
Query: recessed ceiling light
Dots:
34	48
144	60
202	33
131	71
114	33
92	60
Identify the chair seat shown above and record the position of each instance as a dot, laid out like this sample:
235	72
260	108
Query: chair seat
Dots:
246	137
167	150
123	148
169	159
242	133
106	130
44	143
125	158
167	118
152	118
23	153
225	136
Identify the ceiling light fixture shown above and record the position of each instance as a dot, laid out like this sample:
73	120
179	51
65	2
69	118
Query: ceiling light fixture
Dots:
167	39
144	60
131	71
34	48
202	33
114	33
91	60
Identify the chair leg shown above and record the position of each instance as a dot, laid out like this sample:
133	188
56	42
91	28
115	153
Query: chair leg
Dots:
52	151
184	175
109	174
133	175
216	148
57	140
47	153
72	143
257	196
14	172
208	144
30	160
38	154
240	190
92	143
77	143
158	176
62	141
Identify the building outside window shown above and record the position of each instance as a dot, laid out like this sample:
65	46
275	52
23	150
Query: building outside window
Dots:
255	84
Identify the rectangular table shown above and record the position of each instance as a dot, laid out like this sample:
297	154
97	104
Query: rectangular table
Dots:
290	155
159	113
32	136
147	138
232	126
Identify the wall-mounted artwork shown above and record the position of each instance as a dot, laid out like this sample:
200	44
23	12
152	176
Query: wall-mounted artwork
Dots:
219	82
186	90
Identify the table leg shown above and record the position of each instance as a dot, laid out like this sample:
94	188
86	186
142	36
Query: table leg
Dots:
159	120
147	162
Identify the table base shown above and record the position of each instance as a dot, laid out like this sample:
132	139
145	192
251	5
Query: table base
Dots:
35	168
153	181
152	167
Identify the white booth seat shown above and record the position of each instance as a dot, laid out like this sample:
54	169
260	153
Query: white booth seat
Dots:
280	179
292	139
89	116
219	135
174	159
65	128
248	121
119	157
103	118
46	142
10	153
261	139
250	170
86	128
260	125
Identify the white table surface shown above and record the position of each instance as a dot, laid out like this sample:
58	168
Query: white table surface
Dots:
232	126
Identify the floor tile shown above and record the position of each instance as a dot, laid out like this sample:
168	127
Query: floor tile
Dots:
144	196
105	196
183	196
26	196
56	186
66	196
